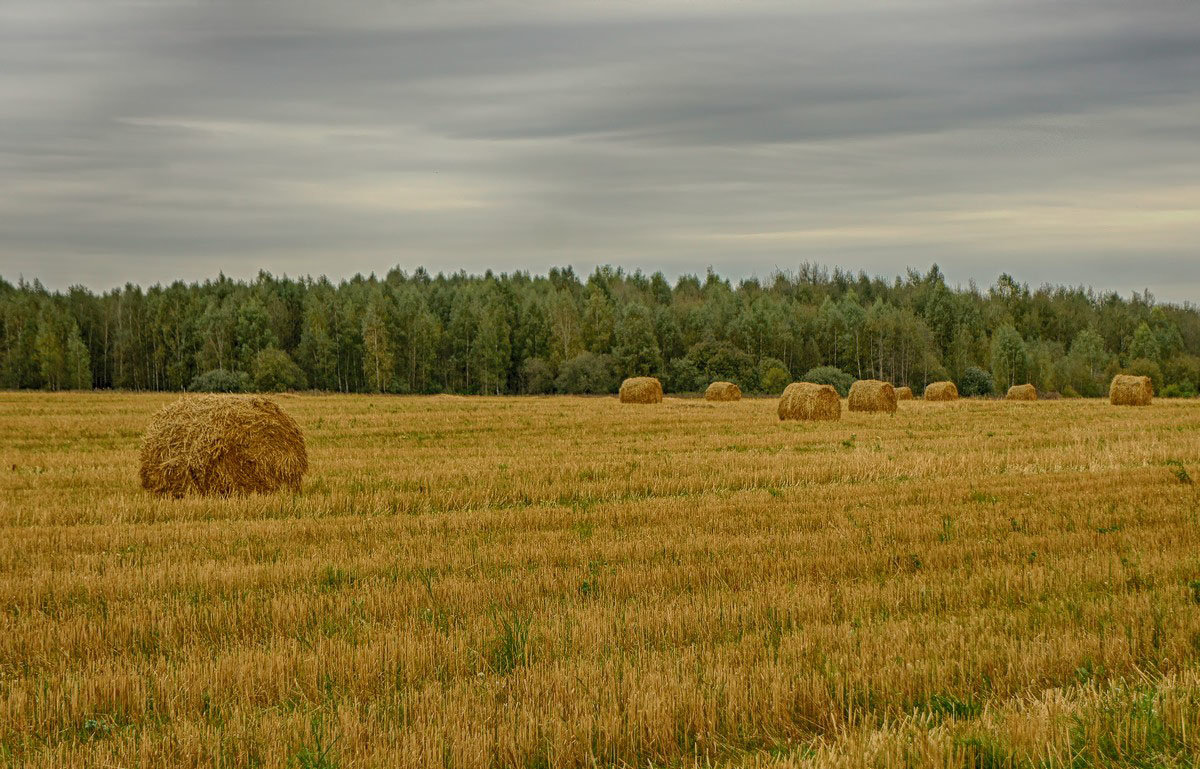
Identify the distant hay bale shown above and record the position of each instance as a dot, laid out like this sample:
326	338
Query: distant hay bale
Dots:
941	391
222	445
904	393
1025	392
872	395
805	400
723	391
641	389
1129	390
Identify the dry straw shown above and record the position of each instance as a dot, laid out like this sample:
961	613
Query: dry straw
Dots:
222	445
1128	390
805	400
872	395
941	391
641	389
723	391
904	393
1024	392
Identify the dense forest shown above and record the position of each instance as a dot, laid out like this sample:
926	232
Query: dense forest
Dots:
520	333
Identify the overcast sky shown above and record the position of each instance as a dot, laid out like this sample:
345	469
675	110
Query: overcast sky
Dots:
148	141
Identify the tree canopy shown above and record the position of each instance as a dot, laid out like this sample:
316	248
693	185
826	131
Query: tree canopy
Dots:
523	333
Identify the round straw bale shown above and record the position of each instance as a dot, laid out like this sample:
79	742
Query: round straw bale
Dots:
222	445
872	395
904	393
805	400
1128	390
723	391
1025	392
941	391
641	389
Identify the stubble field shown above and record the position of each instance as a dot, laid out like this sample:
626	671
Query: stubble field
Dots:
544	582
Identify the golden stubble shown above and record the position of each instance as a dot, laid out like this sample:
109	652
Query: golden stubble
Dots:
574	582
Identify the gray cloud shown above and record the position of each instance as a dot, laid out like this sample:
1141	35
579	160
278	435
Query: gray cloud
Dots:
153	140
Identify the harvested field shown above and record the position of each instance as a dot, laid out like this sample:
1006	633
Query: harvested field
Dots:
573	582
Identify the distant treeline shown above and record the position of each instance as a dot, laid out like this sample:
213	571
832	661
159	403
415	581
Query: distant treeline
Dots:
520	333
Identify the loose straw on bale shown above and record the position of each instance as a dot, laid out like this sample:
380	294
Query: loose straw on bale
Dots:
222	445
872	395
941	391
723	391
805	400
1128	390
1025	392
641	389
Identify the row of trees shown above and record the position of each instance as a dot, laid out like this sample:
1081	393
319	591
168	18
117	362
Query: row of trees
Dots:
519	333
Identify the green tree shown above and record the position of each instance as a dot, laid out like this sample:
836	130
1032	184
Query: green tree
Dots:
221	381
379	352
77	365
1144	344
217	338
975	382
317	352
637	349
598	323
418	335
854	317
830	375
537	378
587	374
275	371
832	323
1084	369
252	331
51	350
1010	359
492	351
565	328
773	376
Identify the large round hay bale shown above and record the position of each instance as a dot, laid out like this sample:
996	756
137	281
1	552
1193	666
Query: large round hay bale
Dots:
941	391
641	389
1128	390
1025	392
805	400
222	445
904	393
723	391
872	395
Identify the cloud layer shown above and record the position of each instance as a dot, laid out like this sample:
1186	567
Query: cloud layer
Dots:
147	141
